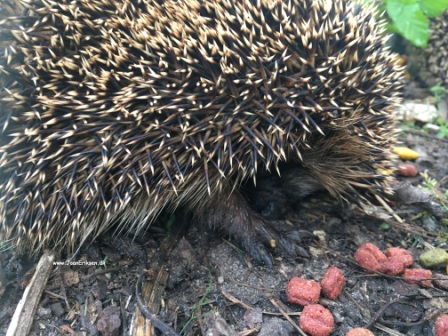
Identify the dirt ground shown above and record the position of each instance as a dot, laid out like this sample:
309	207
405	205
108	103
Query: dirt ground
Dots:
214	289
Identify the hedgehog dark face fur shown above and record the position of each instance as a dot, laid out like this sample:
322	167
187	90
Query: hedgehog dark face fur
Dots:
114	110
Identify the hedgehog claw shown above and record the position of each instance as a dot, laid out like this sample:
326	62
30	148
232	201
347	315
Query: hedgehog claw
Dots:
253	233
286	240
262	233
258	253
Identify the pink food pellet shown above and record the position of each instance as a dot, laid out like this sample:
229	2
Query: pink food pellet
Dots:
316	320
394	265
303	292
370	256
418	274
400	252
442	325
408	170
332	282
360	332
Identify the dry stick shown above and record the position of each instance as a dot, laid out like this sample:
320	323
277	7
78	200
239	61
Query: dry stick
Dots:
148	313
285	314
364	311
23	316
403	300
389	209
409	228
381	312
387	330
233	299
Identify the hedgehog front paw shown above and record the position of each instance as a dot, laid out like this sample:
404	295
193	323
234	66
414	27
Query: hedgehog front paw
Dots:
278	235
232	215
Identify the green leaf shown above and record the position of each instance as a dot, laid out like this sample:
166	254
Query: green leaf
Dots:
385	226
391	28
409	20
433	7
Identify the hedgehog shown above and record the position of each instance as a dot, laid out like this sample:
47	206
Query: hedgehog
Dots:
113	111
430	64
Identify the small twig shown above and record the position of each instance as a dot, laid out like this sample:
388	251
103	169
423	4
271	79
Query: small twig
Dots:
403	300
388	330
248	332
389	209
148	313
403	226
233	299
286	316
23	316
380	312
364	311
62	289
55	295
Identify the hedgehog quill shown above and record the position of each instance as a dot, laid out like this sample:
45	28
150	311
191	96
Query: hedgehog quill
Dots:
112	111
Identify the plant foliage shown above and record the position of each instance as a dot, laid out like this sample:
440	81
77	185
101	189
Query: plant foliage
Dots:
410	18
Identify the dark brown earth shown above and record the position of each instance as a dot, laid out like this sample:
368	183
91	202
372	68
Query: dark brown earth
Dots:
211	281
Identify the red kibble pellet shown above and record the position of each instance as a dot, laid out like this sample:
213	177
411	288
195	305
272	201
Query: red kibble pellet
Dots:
394	265
407	170
316	320
303	292
418	274
360	332
370	256
332	282
402	253
442	325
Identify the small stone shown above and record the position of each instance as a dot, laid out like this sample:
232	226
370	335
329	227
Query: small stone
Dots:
441	281
44	312
109	321
253	317
423	113
57	309
434	257
276	327
70	277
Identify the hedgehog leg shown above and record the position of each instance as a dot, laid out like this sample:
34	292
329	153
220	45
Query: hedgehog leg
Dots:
231	214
